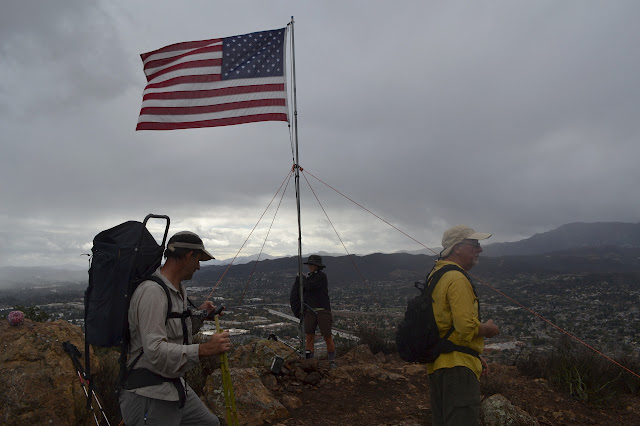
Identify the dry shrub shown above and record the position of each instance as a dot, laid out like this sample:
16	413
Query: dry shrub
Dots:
495	382
343	346
374	338
579	371
105	378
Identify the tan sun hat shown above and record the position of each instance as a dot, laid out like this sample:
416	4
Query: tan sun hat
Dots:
458	234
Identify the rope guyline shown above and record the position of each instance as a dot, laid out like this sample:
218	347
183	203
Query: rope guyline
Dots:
247	239
334	229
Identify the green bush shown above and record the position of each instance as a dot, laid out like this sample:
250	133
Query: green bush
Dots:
33	313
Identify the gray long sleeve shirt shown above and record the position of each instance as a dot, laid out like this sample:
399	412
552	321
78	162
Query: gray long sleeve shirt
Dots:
164	352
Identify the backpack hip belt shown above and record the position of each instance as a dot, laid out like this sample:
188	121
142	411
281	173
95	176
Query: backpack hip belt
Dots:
141	377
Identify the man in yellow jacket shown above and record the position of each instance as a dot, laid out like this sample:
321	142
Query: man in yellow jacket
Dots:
454	377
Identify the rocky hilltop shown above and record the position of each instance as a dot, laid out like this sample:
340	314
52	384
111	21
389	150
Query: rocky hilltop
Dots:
42	387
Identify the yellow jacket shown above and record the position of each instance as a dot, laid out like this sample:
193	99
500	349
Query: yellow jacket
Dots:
454	304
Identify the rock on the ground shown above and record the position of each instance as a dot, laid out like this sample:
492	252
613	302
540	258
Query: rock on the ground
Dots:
40	383
255	404
498	410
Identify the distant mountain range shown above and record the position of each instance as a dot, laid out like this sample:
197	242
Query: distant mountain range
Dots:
13	276
576	235
571	248
605	247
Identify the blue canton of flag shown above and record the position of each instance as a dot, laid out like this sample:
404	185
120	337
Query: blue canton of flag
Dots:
253	55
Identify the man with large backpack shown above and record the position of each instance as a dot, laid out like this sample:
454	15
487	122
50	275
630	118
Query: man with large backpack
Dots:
454	376
161	349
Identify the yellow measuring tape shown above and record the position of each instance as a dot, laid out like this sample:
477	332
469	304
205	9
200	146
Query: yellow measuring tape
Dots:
227	386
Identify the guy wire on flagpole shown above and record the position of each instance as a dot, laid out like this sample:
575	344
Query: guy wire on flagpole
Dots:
297	186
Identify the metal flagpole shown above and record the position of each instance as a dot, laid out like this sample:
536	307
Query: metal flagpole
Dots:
297	181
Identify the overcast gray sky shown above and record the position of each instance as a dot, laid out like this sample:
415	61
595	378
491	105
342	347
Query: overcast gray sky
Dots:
511	117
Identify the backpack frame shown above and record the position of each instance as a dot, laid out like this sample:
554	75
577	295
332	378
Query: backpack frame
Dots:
122	257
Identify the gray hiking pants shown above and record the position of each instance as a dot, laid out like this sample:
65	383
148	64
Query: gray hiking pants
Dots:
139	410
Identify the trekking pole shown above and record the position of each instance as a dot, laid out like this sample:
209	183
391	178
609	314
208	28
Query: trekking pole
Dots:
75	355
273	337
84	388
227	386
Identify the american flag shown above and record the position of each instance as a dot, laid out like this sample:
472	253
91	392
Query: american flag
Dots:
219	82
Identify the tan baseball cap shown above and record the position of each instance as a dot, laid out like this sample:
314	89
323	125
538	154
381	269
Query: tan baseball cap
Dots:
188	240
458	234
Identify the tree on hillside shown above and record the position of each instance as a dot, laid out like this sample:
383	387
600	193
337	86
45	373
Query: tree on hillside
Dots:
33	313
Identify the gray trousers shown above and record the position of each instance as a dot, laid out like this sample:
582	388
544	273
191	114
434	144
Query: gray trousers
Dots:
139	410
455	397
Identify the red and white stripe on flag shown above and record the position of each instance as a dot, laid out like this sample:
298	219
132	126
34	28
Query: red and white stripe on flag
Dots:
219	82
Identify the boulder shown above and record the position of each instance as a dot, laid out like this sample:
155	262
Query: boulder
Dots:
291	402
312	378
415	369
260	354
498	410
255	404
40	383
361	354
309	365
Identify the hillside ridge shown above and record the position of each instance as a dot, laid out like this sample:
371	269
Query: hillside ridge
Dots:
365	389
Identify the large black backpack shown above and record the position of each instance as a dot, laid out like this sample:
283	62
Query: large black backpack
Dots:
417	336
122	257
294	298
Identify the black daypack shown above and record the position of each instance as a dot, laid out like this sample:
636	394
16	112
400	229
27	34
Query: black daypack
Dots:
417	336
122	257
294	298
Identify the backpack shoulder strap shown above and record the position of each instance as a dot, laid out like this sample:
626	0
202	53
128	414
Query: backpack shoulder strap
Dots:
183	316
432	281
435	277
161	283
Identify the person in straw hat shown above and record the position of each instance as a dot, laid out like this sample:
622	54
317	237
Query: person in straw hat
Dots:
454	384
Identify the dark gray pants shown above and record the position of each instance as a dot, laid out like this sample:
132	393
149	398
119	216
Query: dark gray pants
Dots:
455	397
139	410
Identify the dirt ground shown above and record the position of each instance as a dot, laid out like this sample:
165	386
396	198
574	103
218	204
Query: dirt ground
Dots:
367	401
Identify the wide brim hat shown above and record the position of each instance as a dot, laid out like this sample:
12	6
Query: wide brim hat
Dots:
458	234
314	259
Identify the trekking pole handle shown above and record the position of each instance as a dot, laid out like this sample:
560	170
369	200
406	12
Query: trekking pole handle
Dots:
216	312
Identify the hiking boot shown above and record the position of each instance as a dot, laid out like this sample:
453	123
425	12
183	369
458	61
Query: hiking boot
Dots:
333	364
